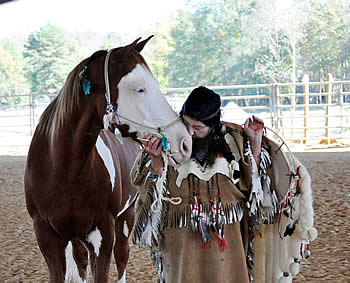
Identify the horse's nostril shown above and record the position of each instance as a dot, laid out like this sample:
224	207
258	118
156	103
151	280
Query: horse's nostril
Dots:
186	147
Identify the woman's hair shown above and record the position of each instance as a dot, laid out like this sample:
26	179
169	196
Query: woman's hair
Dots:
204	105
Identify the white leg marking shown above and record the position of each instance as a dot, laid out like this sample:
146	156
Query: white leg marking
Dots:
126	229
95	239
72	273
123	279
106	156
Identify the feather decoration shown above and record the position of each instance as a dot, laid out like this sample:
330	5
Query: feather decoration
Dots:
202	225
256	195
118	134
214	217
107	119
263	200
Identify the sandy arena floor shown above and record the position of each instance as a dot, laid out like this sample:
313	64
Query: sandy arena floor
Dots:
21	260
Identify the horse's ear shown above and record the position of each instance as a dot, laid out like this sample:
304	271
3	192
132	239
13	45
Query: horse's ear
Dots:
131	47
142	44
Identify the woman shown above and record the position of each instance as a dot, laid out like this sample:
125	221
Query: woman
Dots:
211	204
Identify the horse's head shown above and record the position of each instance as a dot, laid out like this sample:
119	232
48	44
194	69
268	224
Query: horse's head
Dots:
133	98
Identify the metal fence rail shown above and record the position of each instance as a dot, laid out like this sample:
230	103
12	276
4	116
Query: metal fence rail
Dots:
302	112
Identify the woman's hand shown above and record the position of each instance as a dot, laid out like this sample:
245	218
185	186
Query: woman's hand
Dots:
253	128
154	148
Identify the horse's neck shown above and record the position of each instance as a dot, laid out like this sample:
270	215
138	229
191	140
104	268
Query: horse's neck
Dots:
76	139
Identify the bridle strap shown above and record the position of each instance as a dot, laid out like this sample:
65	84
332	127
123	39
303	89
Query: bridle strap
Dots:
108	98
108	92
159	129
162	129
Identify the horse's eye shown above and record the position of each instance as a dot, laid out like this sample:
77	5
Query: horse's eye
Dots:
140	90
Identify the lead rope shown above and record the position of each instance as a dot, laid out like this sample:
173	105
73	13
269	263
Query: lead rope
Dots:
161	191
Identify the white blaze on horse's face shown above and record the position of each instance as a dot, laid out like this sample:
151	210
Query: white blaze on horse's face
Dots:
140	100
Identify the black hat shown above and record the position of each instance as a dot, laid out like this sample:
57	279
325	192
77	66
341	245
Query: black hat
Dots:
202	104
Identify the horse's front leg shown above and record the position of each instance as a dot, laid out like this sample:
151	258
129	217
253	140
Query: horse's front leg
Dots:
52	247
123	227
100	244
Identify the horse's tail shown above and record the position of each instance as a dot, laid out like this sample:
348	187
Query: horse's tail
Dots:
72	273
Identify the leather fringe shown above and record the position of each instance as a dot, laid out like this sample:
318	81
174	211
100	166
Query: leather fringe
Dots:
148	223
181	217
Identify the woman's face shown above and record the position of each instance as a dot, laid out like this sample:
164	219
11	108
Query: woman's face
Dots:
196	129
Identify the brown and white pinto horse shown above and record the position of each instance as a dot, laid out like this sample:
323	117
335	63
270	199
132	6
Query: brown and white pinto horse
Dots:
77	177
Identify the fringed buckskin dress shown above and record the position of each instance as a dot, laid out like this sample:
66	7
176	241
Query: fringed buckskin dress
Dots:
205	237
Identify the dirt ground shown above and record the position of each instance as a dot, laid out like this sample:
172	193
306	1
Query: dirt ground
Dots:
21	260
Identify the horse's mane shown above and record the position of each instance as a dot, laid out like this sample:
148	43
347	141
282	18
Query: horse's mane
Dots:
62	107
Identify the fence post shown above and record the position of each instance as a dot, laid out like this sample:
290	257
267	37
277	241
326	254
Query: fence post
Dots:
31	111
274	108
306	80
341	100
292	112
330	81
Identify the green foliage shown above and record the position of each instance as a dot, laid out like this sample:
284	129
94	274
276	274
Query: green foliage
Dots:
273	60
12	79
112	40
246	42
156	52
210	42
50	55
321	43
209	45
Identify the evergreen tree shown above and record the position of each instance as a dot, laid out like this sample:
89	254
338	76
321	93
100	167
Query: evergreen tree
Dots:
321	43
208	43
273	51
12	79
50	56
113	40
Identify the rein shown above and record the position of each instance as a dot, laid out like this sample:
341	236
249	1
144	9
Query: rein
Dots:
112	115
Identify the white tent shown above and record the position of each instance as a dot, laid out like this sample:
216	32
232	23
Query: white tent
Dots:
233	113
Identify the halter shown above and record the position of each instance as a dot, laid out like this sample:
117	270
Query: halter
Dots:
112	115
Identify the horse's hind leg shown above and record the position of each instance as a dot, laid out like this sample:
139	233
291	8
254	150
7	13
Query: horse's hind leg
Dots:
53	249
123	227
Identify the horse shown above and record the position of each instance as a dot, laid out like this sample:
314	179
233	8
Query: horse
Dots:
77	178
